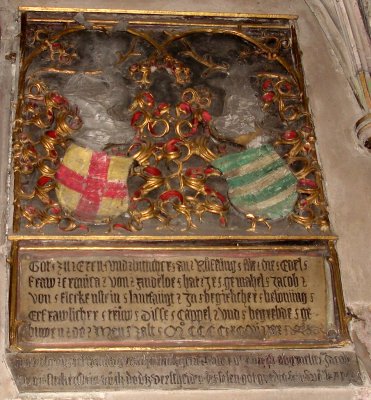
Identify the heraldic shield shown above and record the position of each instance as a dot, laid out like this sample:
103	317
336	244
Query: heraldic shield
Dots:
91	185
259	182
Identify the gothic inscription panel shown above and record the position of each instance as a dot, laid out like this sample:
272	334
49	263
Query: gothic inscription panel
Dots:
164	297
169	371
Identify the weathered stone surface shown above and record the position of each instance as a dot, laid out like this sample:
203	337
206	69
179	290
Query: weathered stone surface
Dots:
169	371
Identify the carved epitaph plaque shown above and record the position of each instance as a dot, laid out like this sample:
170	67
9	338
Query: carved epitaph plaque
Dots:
127	298
168	199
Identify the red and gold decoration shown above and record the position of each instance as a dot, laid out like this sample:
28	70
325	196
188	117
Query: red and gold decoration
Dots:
171	181
172	147
39	158
299	146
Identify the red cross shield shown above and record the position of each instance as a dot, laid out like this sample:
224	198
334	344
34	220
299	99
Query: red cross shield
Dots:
91	185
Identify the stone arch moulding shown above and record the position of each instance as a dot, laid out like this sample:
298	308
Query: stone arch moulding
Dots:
343	24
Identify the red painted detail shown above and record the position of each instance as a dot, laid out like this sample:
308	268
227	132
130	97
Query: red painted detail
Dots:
209	170
57	98
31	210
151	128
52	134
55	210
136	116
171	194
268	97
185	107
50	115
267	84
149	98
152	171
137	194
307	128
220	197
162	106
94	187
194	128
189	172
32	149
170	146
53	154
56	45
120	226
194	172
309	183
116	226
43	180
210	191
290	135
206	117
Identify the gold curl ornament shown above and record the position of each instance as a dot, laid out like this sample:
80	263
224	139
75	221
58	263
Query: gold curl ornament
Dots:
298	144
167	142
41	157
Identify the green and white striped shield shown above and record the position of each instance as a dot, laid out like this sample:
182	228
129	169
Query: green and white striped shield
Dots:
260	182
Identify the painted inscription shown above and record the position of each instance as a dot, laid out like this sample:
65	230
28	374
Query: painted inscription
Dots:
136	298
254	369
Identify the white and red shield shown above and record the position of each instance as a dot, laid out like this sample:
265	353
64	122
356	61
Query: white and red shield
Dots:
91	185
